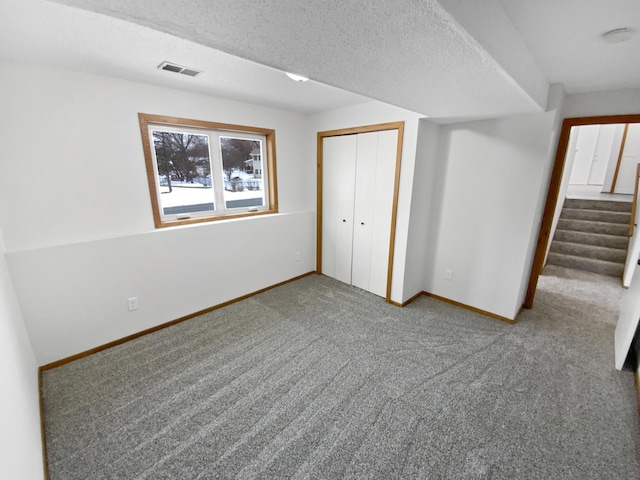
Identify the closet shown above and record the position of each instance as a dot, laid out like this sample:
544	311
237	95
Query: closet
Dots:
357	188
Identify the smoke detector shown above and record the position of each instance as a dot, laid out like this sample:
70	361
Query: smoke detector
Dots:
173	67
618	35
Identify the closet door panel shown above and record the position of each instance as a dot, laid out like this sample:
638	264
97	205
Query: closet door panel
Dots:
358	186
330	155
365	193
338	172
382	208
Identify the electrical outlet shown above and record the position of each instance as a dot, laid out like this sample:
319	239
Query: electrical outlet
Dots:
297	256
448	274
132	303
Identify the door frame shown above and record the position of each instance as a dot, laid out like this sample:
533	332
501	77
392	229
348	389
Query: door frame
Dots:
380	127
554	190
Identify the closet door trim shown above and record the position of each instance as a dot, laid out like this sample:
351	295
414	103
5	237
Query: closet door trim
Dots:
399	126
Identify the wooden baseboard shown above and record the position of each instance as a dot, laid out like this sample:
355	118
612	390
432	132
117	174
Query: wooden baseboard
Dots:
457	304
45	463
470	308
637	377
406	302
128	338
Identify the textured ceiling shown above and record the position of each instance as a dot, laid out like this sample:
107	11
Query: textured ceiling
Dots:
45	33
448	59
412	54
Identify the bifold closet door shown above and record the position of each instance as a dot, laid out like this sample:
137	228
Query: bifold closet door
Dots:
375	174
358	185
338	173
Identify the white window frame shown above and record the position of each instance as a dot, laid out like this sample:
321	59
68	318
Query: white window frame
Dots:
149	123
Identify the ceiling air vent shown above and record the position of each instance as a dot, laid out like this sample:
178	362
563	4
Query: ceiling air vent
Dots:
172	67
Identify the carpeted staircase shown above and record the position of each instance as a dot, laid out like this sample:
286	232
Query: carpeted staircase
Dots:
592	235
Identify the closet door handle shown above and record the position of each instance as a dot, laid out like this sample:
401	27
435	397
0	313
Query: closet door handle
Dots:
361	223
343	220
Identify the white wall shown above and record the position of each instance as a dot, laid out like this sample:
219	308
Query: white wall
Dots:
76	211
74	295
20	441
425	207
369	114
555	110
493	189
613	102
83	177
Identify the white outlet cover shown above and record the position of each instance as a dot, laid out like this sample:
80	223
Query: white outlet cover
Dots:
132	303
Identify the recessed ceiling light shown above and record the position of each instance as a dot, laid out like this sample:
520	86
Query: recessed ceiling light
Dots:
172	67
296	78
618	35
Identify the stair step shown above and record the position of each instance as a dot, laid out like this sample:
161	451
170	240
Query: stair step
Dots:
596	215
592	235
608	205
593	227
586	238
585	264
616	255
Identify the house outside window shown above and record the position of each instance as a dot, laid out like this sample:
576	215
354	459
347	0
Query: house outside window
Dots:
253	164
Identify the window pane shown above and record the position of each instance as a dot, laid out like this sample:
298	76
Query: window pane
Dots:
243	169
201	171
184	172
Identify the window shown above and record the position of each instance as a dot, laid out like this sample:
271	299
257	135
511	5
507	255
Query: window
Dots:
201	171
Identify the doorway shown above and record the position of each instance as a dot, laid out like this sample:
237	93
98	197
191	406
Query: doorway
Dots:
544	235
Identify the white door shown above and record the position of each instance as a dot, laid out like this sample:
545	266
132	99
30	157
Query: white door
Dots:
602	154
585	149
339	169
357	199
366	161
627	320
374	210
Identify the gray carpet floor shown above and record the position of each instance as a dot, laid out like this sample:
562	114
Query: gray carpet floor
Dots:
319	380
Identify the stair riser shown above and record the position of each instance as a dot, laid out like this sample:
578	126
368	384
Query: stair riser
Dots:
593	227
588	251
609	241
576	263
598	205
596	216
